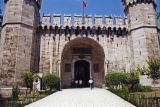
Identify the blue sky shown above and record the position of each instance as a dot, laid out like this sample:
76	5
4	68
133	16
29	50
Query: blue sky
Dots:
99	7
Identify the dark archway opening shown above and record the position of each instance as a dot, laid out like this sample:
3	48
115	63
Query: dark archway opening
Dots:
82	72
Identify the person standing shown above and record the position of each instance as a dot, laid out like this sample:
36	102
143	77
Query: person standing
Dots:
80	83
76	83
91	83
35	83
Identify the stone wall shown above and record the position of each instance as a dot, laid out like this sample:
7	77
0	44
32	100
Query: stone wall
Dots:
21	19
116	48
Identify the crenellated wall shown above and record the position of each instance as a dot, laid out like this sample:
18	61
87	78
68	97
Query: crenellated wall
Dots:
89	20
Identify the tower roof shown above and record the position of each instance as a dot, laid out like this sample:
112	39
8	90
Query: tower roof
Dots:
128	3
38	2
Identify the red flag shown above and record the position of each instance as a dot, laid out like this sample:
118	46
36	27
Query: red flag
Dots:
84	4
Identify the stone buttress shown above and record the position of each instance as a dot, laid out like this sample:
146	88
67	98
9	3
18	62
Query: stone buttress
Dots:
18	39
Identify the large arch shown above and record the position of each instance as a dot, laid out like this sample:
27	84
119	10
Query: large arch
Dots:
85	49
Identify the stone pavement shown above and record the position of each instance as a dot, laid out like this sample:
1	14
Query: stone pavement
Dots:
82	98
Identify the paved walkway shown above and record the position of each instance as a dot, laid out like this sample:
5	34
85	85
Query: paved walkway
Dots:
82	98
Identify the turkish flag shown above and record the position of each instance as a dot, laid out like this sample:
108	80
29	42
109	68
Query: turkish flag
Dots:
84	4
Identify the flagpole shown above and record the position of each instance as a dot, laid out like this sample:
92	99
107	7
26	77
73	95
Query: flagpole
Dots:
83	17
83	14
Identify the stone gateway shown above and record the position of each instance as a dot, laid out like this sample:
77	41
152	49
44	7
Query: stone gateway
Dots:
73	49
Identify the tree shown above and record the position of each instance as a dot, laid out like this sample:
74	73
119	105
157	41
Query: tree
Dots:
52	81
117	78
27	78
154	69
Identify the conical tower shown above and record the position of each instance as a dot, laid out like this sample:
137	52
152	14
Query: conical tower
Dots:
143	29
18	39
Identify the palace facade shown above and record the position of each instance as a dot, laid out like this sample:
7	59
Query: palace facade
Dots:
73	47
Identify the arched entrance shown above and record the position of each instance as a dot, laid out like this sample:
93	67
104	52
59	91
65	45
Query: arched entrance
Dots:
82	72
82	58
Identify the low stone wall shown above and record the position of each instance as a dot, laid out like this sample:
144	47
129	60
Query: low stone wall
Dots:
7	92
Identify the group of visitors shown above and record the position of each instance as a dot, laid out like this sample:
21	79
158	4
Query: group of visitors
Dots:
80	84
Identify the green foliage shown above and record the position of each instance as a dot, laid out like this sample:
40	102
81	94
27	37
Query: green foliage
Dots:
128	81
117	78
134	77
35	78
139	88
139	99
49	92
124	92
154	68
142	71
52	81
27	78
